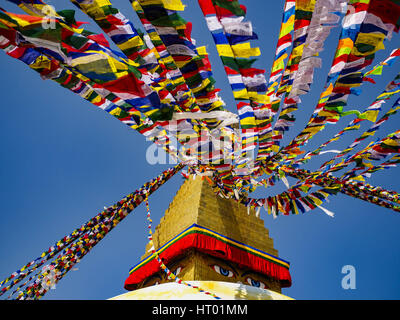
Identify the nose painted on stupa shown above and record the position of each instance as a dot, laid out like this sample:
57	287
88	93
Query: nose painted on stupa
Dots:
203	237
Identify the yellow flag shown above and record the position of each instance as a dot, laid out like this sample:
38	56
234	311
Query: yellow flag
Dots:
244	50
370	115
260	98
358	178
373	40
328	91
241	94
313	129
225	50
202	51
275	148
167	4
176	5
391	142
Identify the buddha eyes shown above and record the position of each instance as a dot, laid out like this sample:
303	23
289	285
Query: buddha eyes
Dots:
223	271
229	274
256	283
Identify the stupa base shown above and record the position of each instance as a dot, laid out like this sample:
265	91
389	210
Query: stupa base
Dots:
224	290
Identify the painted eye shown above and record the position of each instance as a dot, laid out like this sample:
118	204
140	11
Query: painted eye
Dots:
223	271
256	283
177	271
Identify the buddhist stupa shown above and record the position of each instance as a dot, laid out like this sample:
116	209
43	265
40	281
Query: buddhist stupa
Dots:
214	243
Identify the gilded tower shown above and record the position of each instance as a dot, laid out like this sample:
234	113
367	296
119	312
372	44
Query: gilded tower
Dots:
216	243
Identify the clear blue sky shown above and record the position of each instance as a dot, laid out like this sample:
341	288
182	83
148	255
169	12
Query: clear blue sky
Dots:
62	160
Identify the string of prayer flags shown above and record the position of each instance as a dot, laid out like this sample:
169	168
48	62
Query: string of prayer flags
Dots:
49	68
75	246
230	33
310	32
362	35
370	113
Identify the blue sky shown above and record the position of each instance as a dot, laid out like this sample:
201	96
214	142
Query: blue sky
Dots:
62	160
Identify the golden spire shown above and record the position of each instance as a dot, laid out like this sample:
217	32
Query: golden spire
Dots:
203	237
196	202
